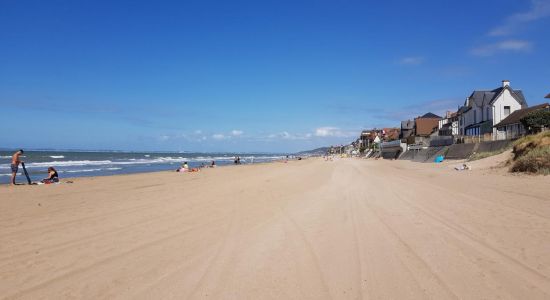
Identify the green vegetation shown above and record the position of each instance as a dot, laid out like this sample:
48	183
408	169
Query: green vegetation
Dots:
536	120
481	155
532	154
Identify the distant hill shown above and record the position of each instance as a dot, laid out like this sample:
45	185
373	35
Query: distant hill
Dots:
318	151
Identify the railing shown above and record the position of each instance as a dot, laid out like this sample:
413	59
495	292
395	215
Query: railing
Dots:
468	139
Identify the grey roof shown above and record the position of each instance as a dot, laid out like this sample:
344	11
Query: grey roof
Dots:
462	109
430	116
547	96
481	98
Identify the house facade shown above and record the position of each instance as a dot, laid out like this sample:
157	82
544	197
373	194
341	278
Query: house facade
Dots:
511	127
484	109
448	126
407	129
426	125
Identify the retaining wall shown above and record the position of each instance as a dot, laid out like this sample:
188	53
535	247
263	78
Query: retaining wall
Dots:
460	151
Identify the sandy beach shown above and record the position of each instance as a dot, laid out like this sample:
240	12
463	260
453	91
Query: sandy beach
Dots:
346	229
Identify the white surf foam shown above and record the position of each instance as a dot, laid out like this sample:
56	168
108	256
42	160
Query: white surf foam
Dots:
140	161
81	171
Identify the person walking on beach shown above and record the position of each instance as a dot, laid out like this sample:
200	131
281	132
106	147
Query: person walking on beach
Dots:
15	161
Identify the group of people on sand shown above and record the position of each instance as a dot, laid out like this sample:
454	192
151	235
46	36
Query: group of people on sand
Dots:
185	167
53	177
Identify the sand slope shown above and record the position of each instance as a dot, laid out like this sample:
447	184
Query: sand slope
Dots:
346	229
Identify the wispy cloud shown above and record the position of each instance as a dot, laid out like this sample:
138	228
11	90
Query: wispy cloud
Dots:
164	137
236	132
219	136
502	46
411	61
285	135
539	9
328	131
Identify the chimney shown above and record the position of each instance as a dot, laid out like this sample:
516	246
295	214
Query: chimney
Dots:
505	83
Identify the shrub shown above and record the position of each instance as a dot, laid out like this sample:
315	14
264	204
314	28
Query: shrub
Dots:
537	119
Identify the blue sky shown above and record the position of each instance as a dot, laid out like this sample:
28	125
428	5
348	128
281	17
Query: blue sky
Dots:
253	75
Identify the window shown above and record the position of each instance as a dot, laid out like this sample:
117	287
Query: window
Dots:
506	111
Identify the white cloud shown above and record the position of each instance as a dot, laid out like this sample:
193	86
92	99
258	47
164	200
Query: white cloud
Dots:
412	61
236	132
502	46
539	9
285	135
328	131
198	131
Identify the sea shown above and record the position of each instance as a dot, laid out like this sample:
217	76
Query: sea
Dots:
104	163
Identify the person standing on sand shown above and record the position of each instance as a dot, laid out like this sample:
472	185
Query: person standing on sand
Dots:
15	161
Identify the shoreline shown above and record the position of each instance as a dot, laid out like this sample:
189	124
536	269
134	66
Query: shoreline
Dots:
21	180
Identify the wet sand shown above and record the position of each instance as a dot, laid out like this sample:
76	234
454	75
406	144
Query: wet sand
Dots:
345	229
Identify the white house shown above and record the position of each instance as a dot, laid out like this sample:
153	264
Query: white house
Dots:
484	109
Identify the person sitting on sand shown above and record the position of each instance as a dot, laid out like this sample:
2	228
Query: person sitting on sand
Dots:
53	177
15	161
213	164
463	167
184	167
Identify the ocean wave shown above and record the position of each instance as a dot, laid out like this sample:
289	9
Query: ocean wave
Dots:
112	169
69	163
81	171
139	161
57	156
5	156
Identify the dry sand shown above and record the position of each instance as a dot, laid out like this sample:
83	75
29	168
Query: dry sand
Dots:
311	229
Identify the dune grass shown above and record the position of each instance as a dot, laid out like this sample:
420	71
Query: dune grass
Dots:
532	154
481	155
